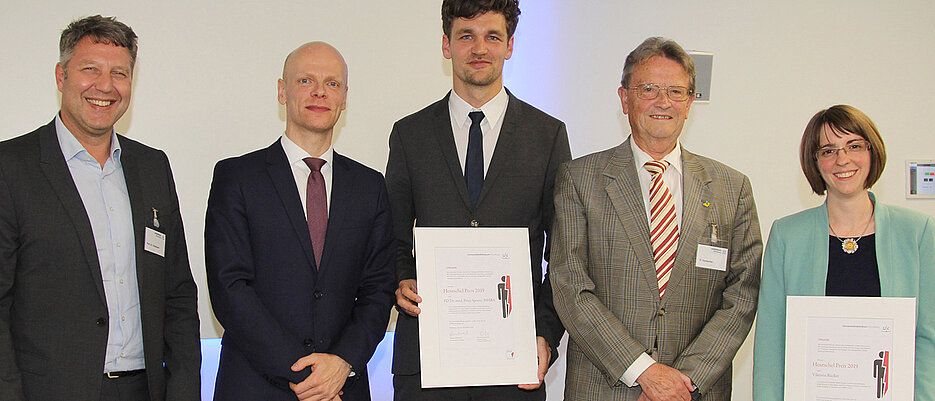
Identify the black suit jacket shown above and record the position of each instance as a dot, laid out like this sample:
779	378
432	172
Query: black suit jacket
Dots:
427	186
275	305
53	315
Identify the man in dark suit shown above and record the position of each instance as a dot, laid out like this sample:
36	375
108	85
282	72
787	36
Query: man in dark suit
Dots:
657	251
97	300
478	157
299	248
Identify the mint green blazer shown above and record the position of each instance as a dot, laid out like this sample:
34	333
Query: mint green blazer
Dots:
796	263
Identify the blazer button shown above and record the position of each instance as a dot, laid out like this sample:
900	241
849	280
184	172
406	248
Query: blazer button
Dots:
474	223
317	294
308	343
100	321
662	312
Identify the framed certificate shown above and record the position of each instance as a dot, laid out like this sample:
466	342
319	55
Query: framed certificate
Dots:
850	348
477	325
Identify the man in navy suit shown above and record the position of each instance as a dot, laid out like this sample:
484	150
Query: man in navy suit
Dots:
299	251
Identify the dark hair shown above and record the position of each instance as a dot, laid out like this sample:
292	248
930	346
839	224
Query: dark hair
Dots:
453	9
841	119
103	30
657	46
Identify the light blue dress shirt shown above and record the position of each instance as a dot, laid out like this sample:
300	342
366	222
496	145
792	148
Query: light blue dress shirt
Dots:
104	195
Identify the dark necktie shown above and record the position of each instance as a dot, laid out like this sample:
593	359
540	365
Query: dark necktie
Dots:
474	164
316	206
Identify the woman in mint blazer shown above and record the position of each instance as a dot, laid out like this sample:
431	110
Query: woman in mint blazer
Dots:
851	245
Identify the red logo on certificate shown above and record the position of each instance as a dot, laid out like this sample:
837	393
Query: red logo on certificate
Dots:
881	371
504	294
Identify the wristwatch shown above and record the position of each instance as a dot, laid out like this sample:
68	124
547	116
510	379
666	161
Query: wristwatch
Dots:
696	394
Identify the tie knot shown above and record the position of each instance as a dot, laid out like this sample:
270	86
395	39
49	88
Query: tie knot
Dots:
656	166
476	117
314	163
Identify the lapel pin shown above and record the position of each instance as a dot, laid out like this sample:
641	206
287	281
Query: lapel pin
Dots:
155	218
705	203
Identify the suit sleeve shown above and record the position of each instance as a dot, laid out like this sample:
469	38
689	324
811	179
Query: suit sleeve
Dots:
374	297
270	348
925	328
400	193
769	349
11	385
548	324
711	353
182	340
597	331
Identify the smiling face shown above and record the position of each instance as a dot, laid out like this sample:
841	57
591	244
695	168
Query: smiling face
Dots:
313	88
845	175
656	123
477	48
95	86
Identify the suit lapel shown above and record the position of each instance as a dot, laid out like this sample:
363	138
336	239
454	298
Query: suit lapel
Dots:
280	174
884	239
441	126
623	190
56	171
819	236
503	151
695	192
341	195
140	209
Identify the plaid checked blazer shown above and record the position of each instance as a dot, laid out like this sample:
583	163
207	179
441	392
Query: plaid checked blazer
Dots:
604	280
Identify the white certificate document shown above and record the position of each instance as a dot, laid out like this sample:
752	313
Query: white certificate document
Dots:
850	348
477	326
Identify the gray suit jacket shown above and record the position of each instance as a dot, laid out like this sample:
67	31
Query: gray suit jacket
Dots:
427	187
606	291
53	315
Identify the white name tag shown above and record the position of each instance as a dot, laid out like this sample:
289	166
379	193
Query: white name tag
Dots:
711	257
155	242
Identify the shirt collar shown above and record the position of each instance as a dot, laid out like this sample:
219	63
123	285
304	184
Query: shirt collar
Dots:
493	109
674	157
295	153
71	148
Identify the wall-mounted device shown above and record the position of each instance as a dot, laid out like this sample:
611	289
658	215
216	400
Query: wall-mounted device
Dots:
920	179
703	64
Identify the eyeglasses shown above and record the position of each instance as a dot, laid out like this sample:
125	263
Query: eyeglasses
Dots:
651	91
853	148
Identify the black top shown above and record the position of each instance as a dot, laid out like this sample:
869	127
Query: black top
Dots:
854	274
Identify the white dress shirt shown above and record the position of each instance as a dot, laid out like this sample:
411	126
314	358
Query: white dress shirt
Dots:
300	170
673	179
494	109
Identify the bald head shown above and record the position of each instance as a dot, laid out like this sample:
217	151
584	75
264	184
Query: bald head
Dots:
314	90
314	51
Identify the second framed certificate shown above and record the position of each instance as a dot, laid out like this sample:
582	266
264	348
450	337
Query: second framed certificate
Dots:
477	325
850	348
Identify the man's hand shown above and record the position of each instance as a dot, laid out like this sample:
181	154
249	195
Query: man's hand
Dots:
545	355
663	383
407	297
329	372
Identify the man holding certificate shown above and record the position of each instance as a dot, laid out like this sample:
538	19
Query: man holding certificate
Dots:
479	157
656	251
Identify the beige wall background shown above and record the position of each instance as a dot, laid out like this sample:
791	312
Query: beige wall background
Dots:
205	82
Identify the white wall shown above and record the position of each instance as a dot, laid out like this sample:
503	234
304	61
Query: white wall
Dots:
205	82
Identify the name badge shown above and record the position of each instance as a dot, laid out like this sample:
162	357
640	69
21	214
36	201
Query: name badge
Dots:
155	242
711	257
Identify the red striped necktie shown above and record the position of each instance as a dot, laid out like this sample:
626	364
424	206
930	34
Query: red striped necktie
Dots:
664	229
